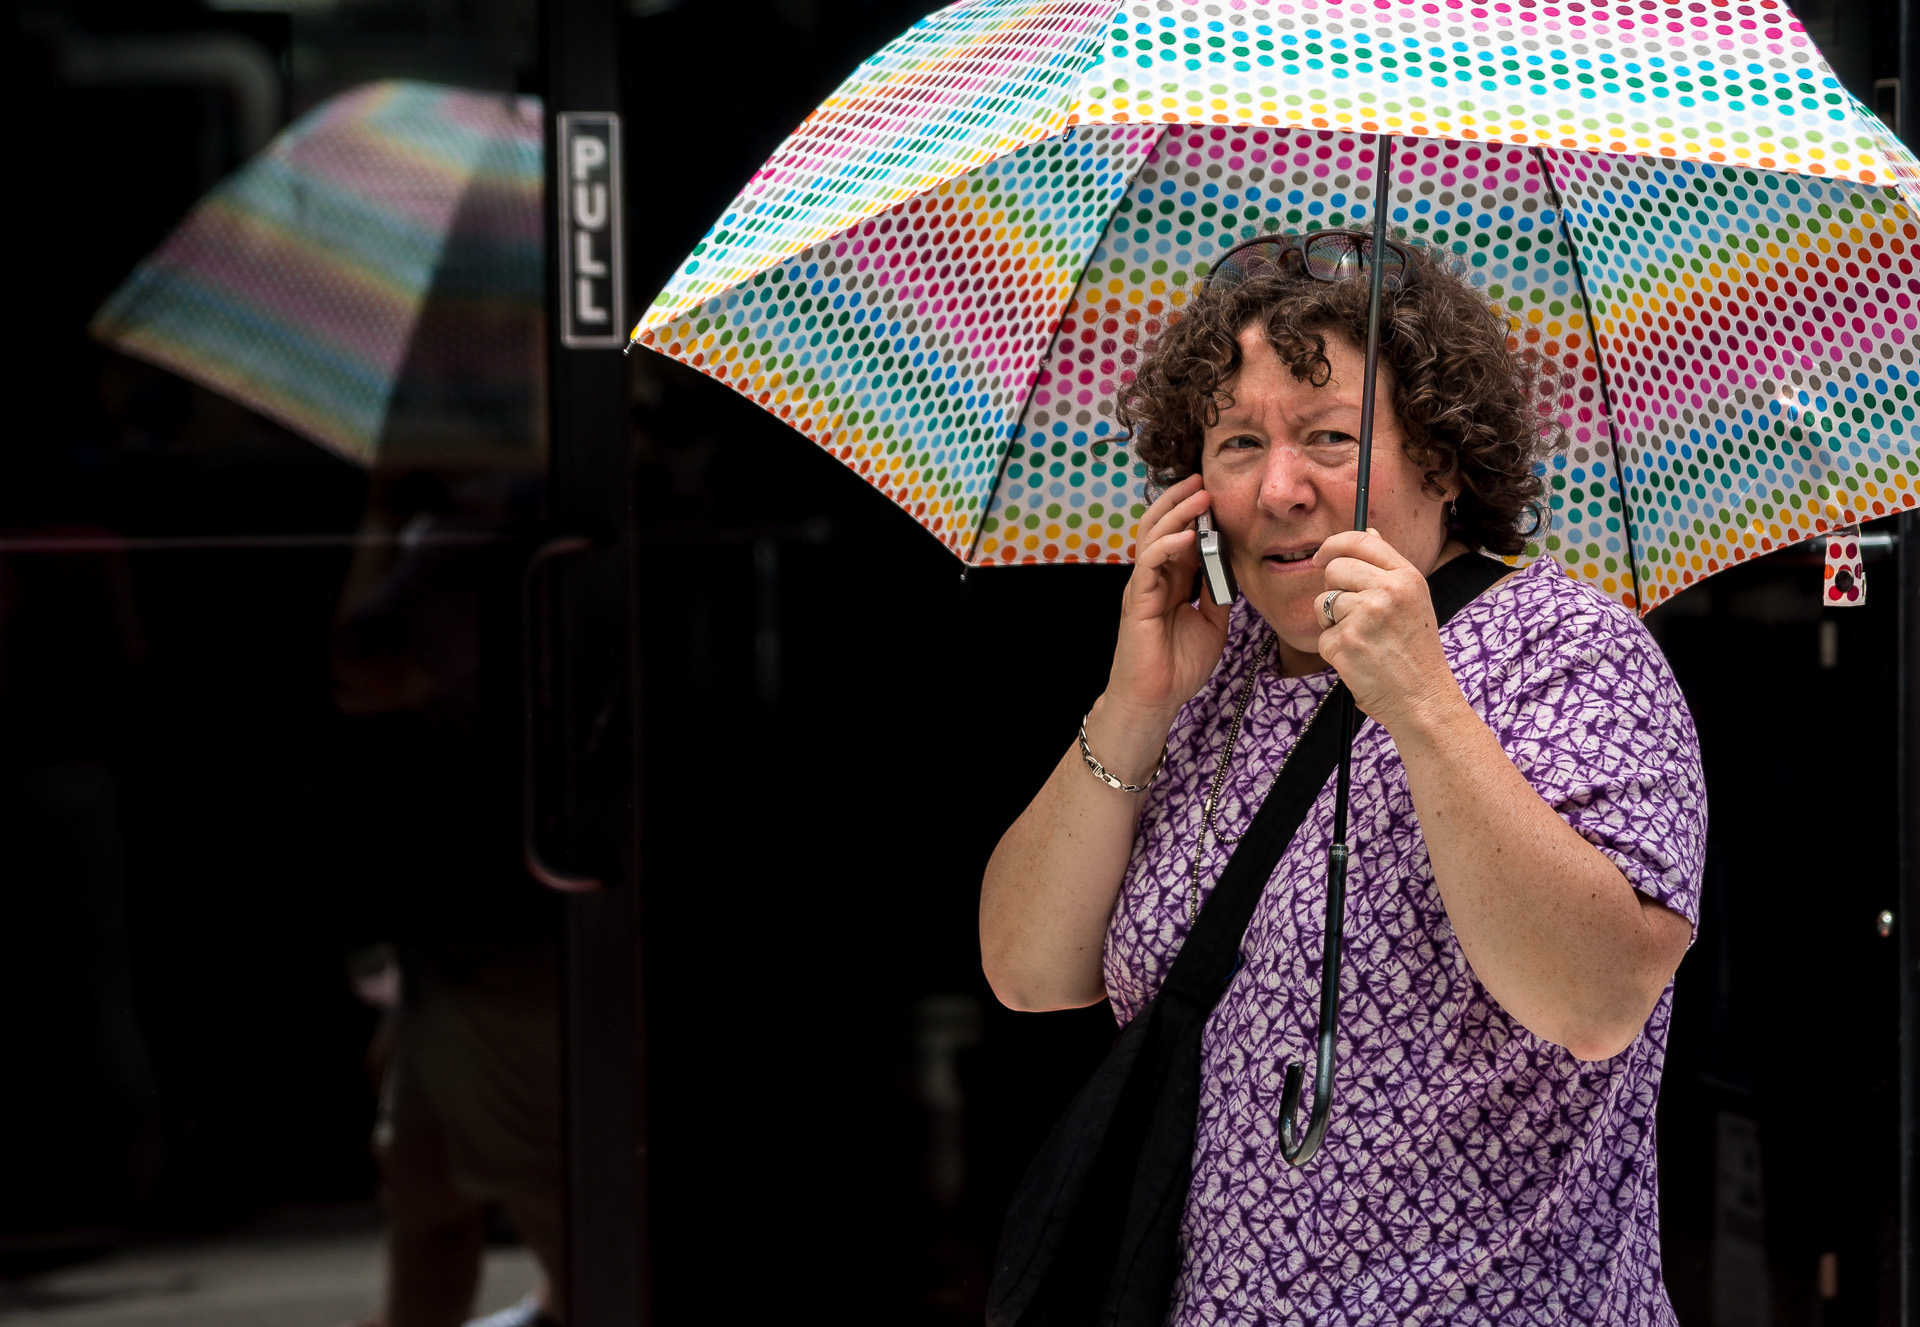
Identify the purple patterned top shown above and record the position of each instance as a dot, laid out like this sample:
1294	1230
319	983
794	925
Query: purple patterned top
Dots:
1472	1173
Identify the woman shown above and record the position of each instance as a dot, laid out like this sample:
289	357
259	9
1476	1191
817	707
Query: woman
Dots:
1528	823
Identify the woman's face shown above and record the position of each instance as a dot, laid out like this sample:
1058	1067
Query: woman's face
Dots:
1280	465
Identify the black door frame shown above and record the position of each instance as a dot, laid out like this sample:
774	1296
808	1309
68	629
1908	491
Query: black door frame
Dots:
586	760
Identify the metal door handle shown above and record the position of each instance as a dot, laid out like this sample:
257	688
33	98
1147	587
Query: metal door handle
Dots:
552	877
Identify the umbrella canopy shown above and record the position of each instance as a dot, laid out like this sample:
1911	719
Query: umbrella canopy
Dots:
372	280
946	271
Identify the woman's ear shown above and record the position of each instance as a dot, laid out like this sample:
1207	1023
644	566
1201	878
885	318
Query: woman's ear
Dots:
1442	487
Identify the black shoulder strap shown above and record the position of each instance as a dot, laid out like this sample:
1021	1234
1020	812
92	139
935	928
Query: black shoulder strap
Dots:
1207	959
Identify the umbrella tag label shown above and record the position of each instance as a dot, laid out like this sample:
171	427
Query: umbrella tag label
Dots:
1846	572
592	274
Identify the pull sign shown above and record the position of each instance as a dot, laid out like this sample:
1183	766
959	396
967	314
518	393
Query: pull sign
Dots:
592	276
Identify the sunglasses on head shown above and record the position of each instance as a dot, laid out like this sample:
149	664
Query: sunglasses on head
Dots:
1325	255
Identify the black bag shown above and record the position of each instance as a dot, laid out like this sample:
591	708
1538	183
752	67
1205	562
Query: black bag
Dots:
1092	1234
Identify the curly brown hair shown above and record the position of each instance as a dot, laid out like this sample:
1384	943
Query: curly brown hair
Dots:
1463	389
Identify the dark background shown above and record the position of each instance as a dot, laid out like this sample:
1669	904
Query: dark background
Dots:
836	728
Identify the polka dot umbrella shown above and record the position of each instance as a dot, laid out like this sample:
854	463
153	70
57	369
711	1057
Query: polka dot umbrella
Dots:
943	274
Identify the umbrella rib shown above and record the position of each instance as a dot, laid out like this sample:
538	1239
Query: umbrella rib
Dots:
1600	365
986	507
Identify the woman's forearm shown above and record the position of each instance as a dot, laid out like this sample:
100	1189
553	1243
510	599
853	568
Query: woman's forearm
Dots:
1551	927
1050	886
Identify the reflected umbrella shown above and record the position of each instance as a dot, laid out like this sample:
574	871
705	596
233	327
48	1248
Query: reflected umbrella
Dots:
372	280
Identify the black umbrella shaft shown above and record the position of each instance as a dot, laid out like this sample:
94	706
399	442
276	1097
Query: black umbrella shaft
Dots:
1376	281
1299	1147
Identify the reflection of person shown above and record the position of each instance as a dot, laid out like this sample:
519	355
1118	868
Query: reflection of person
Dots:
71	644
470	1112
1528	824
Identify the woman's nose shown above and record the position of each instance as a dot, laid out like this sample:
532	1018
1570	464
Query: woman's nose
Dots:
1287	485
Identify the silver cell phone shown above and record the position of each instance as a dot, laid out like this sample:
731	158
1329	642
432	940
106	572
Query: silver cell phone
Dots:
1213	562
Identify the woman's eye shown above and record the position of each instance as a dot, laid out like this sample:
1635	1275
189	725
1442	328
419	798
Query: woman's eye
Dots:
1330	438
1240	442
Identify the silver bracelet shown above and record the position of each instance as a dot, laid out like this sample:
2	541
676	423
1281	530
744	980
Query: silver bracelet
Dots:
1100	771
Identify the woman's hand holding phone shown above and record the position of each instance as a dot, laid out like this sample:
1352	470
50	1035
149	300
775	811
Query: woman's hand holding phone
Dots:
1168	645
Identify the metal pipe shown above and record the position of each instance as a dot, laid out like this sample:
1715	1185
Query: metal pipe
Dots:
537	866
1907	585
1907	730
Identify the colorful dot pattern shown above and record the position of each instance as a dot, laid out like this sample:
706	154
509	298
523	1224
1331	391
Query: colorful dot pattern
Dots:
1736	84
959	88
1494	208
1204	190
907	345
1733	83
1756	335
1741	240
1758	331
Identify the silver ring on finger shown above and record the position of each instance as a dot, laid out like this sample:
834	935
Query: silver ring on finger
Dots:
1326	606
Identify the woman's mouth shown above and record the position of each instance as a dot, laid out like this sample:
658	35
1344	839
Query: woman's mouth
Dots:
1292	559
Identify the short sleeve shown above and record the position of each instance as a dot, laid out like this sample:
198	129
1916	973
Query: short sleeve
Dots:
1601	730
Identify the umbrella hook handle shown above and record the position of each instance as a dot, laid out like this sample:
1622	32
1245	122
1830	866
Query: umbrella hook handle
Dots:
1296	1146
532	637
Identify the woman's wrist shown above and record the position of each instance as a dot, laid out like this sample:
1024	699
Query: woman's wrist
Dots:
1434	721
1128	740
